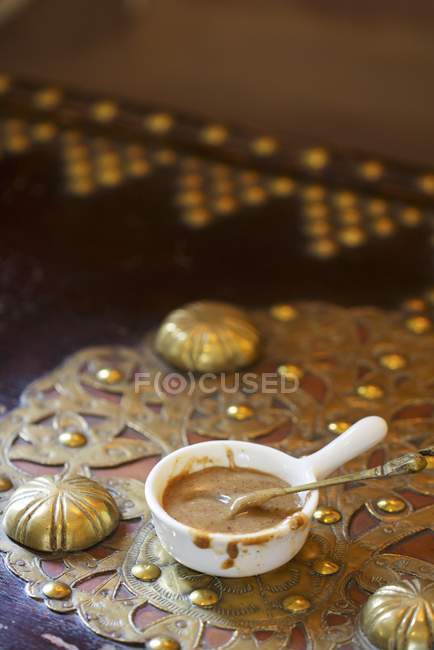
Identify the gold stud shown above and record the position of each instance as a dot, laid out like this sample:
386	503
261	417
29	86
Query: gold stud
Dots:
383	227
345	199
214	134
391	505
5	83
315	158
411	216
415	304
316	211
239	412
5	483
327	515
104	111
377	207
72	439
81	186
313	193
393	361
224	205
44	131
254	195
146	572
159	123
138	168
165	157
109	375
418	324
283	312
109	177
78	168
281	186
310	550
289	371
296	604
56	590
108	159
264	146
324	248
17	142
371	170
426	183
47	98
325	567
76	153
204	598
163	643
352	236
370	391
197	217
338	427
190	199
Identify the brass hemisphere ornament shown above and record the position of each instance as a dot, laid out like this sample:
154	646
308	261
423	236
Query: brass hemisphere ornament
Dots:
208	337
400	616
51	513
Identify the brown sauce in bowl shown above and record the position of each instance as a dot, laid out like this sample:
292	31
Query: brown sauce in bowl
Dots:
202	500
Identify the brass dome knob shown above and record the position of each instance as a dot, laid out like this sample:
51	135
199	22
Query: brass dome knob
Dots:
208	337
50	513
400	616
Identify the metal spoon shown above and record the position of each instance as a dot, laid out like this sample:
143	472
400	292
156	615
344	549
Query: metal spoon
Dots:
407	464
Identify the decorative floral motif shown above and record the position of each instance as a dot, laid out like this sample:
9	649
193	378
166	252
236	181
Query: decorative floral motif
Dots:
85	417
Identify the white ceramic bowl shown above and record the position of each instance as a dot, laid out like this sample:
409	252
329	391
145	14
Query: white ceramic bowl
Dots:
236	555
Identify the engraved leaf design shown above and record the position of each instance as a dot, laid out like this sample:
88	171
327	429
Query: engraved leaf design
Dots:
120	451
240	641
101	454
129	495
108	617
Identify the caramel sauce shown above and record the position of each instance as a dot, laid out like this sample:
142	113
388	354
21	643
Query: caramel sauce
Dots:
202	500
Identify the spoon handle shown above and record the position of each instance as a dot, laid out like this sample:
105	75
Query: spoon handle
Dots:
406	464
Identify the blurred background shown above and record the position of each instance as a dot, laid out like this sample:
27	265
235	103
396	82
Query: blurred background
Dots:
341	73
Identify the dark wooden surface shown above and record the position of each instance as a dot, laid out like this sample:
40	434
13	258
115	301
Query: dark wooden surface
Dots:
347	74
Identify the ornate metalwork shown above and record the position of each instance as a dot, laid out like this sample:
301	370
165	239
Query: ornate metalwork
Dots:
129	589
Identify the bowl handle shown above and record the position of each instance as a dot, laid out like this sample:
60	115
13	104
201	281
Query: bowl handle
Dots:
360	437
